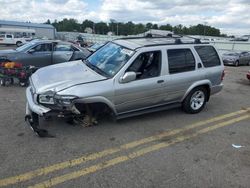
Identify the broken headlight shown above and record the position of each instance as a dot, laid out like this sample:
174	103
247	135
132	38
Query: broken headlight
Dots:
46	99
64	99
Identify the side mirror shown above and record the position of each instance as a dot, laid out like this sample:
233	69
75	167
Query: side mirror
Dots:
128	77
31	51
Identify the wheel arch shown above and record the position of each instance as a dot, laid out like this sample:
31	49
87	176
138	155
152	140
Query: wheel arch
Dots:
204	83
18	42
97	100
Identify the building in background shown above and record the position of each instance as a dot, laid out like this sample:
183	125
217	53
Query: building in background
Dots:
27	29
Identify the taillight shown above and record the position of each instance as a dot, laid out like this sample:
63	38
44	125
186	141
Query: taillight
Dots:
223	75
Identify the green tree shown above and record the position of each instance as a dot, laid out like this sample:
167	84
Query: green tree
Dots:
48	22
166	27
149	26
101	28
155	26
87	23
131	28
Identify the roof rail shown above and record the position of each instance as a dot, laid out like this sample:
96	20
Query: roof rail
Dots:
176	40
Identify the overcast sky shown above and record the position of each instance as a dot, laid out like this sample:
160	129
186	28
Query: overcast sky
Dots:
231	16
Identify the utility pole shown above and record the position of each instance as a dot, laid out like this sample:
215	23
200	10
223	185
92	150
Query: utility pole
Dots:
94	27
117	28
205	24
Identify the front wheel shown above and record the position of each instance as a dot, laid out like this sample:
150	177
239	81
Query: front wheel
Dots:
195	101
2	82
19	43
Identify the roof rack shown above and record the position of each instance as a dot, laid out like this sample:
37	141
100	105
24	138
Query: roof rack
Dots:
149	35
169	36
176	40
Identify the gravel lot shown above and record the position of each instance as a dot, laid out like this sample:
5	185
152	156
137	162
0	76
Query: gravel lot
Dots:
186	159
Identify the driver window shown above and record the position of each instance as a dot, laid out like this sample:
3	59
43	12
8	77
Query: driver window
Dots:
146	65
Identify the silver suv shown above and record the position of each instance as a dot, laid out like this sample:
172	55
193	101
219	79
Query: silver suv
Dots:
127	77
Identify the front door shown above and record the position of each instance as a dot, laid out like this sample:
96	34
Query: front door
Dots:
146	90
38	56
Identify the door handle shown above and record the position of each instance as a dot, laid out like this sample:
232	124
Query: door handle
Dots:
160	81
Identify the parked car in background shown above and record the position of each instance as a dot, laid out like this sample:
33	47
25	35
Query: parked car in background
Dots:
248	75
236	58
41	53
9	39
127	77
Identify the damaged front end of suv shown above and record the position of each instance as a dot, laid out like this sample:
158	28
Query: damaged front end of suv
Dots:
76	91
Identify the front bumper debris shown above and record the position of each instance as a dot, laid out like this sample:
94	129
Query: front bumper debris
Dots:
33	111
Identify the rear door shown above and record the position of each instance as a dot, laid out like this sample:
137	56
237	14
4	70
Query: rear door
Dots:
182	73
62	52
244	58
211	61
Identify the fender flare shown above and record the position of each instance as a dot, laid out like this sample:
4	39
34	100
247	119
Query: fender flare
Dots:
197	84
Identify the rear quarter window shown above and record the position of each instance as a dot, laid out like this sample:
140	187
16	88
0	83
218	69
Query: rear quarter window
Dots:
208	56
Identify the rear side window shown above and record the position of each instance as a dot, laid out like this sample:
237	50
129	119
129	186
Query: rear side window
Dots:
180	60
208	55
63	48
9	36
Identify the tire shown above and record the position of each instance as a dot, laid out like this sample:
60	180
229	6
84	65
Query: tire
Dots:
236	63
2	82
11	81
23	82
18	43
195	100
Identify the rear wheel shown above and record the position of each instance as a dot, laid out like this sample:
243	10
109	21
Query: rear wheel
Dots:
237	63
11	81
195	101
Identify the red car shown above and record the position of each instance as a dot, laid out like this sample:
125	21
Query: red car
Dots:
248	75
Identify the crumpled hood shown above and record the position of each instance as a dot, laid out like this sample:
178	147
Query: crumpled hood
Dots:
64	75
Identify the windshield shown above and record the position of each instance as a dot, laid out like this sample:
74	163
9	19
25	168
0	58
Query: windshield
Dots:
110	58
25	47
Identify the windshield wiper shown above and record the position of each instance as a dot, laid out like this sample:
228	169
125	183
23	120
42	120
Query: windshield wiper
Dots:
96	69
